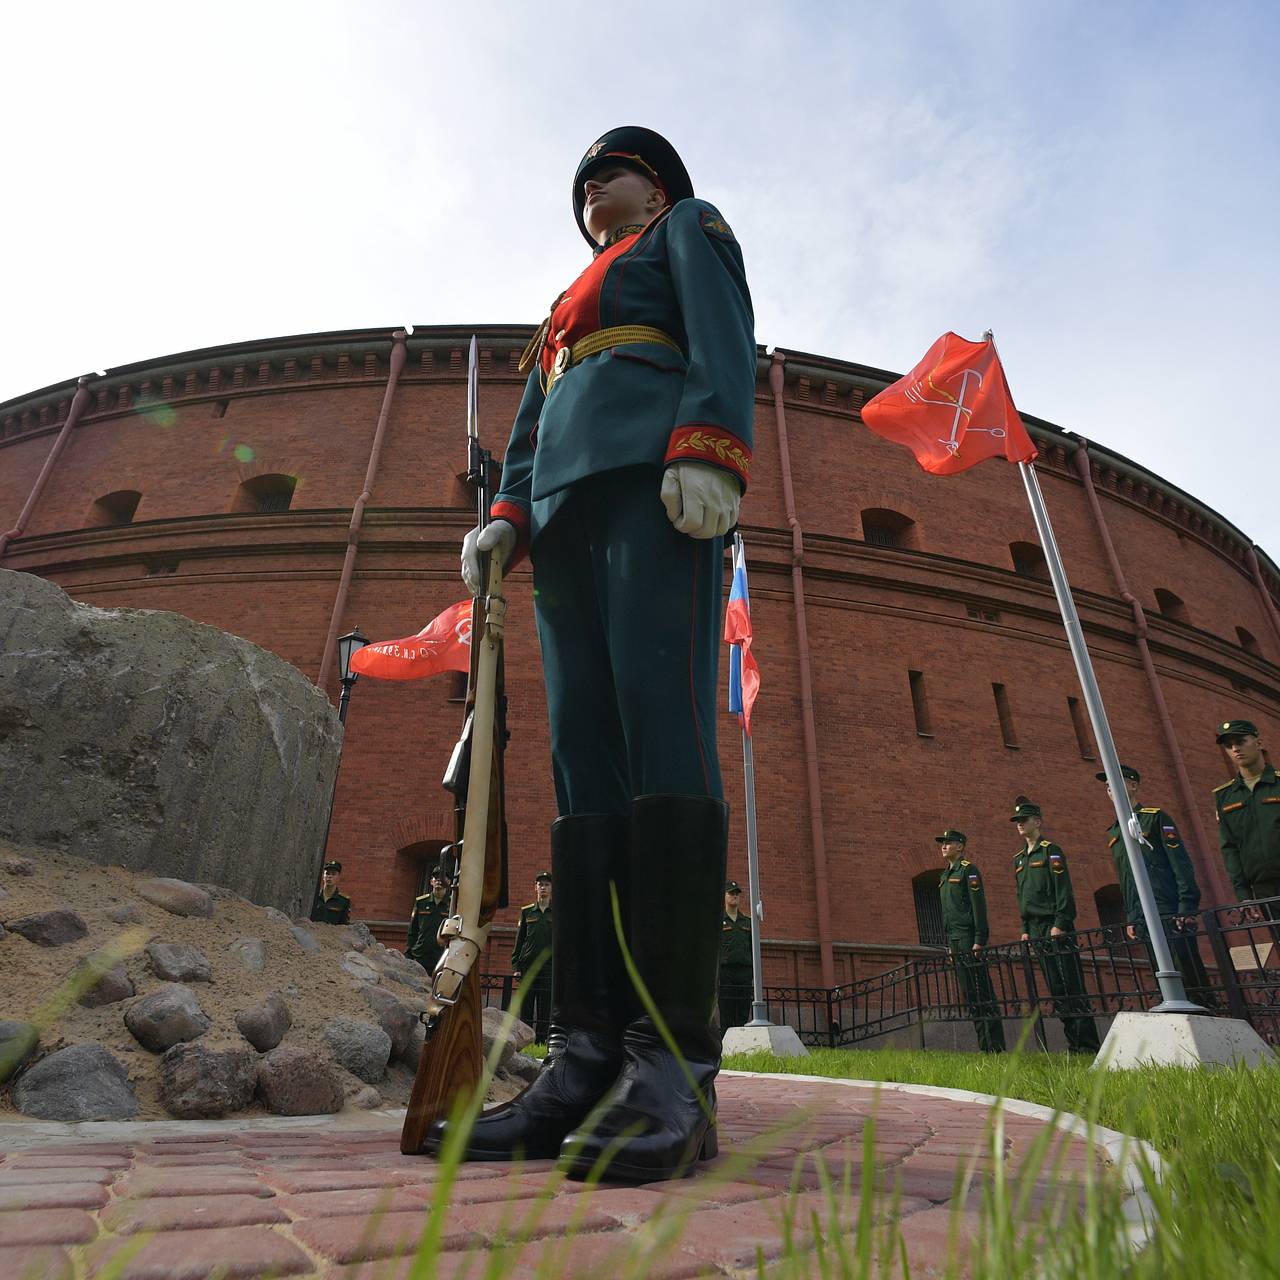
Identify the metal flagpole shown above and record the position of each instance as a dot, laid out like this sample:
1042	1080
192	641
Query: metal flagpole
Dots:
1174	996
759	1011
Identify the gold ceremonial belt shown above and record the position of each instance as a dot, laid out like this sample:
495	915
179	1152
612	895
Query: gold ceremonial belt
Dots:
602	340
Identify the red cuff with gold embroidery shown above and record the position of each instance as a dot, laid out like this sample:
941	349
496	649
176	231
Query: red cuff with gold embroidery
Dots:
704	442
519	517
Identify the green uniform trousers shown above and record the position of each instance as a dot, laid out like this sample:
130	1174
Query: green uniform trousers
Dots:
975	984
628	613
736	992
1060	963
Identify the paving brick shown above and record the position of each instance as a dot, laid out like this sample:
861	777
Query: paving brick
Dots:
46	1226
67	1195
590	1257
331	1204
531	1219
45	1177
190	1182
39	1262
195	1255
734	1237
55	1157
338	1179
185	1213
220	1158
361	1237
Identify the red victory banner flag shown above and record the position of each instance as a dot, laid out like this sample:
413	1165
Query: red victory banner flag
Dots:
444	644
953	409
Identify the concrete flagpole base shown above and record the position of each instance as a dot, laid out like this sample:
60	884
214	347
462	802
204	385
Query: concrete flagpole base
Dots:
780	1041
1180	1040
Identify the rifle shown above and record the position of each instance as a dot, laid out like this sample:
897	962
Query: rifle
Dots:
475	864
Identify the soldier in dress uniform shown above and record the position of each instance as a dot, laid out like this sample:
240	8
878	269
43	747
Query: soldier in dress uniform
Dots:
533	940
626	464
1249	816
330	906
430	911
1048	909
964	916
736	975
1173	884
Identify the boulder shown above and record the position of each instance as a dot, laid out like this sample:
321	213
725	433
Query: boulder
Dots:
523	1068
305	940
111	987
359	968
19	866
399	968
264	1025
278	916
359	1046
366	1098
167	1016
50	928
359	935
395	1017
18	1042
519	1036
176	897
81	1082
178	962
143	739
125	913
250	952
203	1081
293	1081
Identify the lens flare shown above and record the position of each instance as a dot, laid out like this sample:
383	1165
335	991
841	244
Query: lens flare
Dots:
243	453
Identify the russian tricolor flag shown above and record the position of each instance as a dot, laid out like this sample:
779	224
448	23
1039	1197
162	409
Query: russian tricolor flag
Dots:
744	674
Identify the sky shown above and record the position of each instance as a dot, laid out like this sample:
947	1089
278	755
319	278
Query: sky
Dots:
1096	182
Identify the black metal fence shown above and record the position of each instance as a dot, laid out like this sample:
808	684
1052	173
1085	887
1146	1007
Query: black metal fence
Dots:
1229	958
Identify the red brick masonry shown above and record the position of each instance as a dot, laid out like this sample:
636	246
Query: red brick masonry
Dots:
344	1203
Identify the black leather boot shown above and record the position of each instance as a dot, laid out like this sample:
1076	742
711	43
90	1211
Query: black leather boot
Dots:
591	1000
658	1120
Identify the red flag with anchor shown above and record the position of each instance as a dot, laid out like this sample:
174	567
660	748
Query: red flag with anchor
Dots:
444	644
952	410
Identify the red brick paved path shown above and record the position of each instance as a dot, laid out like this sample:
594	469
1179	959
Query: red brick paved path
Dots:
343	1203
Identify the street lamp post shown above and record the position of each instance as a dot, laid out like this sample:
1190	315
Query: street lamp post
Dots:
348	645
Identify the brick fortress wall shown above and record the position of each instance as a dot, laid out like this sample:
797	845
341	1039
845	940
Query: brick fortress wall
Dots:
890	571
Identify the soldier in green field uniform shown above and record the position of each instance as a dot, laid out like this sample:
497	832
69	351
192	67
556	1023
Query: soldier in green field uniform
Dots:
1173	884
430	911
330	906
964	915
1048	910
533	939
735	961
1249	816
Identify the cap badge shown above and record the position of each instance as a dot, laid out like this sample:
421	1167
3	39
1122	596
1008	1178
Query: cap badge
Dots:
594	150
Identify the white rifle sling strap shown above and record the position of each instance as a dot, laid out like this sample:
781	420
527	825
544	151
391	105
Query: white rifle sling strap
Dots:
463	933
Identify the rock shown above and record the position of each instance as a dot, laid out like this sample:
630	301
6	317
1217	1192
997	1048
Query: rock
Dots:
359	1046
360	936
394	1017
399	968
523	1068
278	916
113	986
367	1098
167	1016
179	962
19	866
50	928
143	739
220	893
82	1082
520	1036
293	1081
125	913
304	939
18	1042
176	897
264	1025
202	1081
359	968
250	952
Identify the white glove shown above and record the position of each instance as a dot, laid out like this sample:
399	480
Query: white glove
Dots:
498	537
701	501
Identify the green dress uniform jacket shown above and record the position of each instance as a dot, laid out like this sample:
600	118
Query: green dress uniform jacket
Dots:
335	910
1249	834
532	938
735	942
424	930
1044	887
1173	878
964	904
